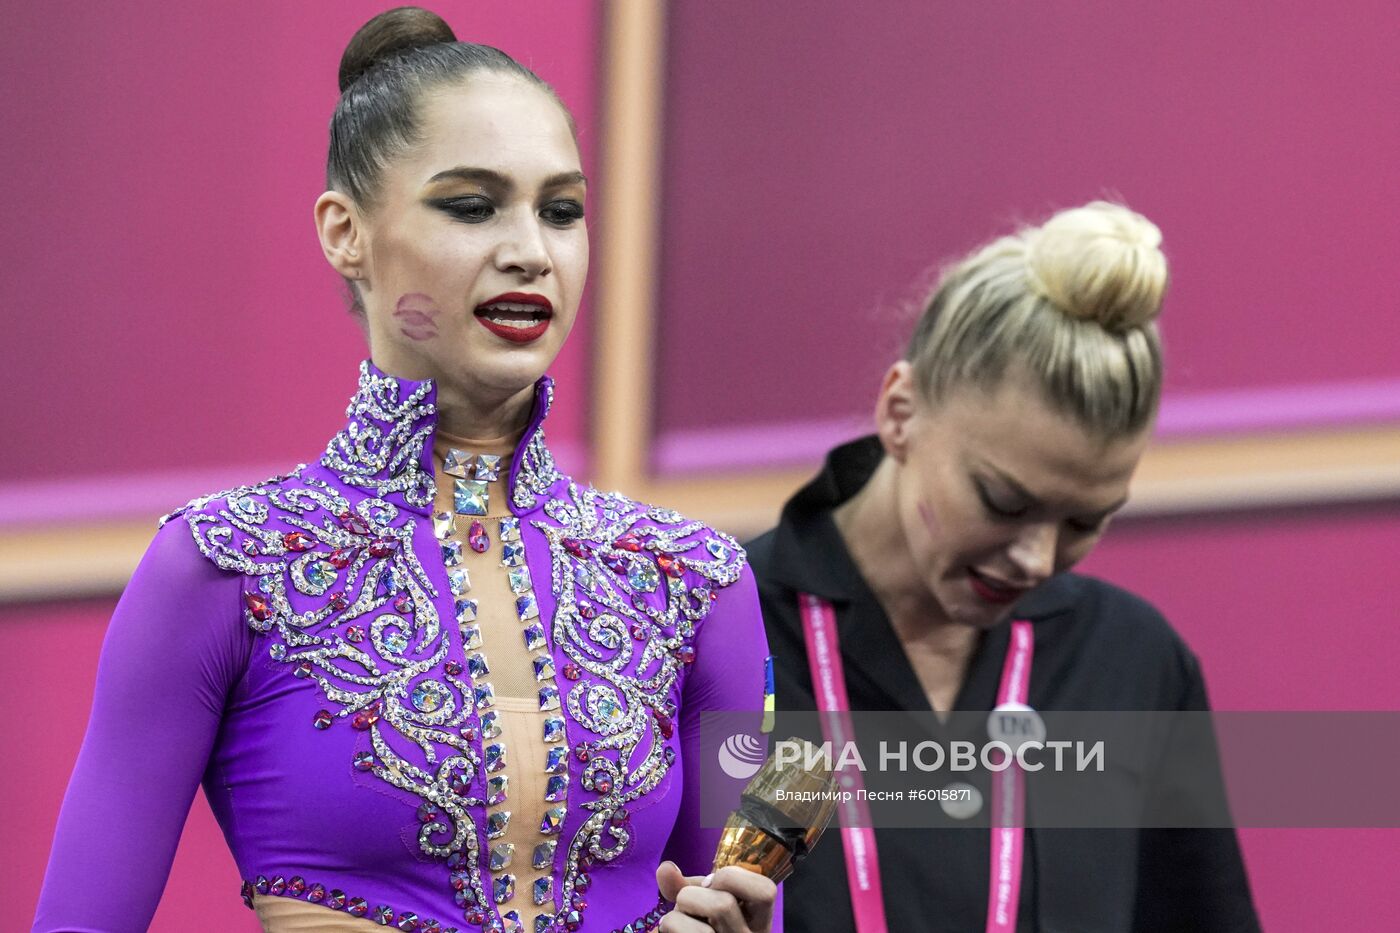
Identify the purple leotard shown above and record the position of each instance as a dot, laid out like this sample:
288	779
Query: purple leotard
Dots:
296	646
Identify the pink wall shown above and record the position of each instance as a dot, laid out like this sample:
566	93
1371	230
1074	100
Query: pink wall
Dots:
818	164
174	327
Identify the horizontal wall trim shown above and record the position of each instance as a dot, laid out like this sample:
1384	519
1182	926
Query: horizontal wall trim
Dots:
146	495
1202	477
1184	415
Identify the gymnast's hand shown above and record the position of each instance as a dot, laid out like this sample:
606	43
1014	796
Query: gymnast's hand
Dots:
732	900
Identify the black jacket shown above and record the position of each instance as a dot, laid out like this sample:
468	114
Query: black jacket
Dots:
1097	648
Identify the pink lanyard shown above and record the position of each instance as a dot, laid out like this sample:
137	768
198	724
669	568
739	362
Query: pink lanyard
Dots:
857	836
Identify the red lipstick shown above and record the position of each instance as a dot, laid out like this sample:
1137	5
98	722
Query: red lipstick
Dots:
516	316
997	593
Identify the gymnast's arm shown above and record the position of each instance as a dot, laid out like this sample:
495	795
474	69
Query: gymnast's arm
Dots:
730	650
174	648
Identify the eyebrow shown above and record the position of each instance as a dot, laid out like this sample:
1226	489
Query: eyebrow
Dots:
490	177
1034	500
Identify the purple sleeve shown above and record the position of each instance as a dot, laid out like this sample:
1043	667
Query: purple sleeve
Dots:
173	649
730	651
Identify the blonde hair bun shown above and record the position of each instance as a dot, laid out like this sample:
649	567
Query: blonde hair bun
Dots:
1102	263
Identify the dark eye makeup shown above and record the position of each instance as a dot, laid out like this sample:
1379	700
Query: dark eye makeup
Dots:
472	208
562	213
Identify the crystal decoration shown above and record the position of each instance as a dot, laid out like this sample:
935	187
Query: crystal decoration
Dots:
496	788
519	579
510	922
526	607
553	820
429	696
501	855
503	888
602	783
497	823
444	524
456	463
556	760
686	653
459	580
470	497
322	719
396	642
452	553
488	468
534	636
363	761
490	725
544	667
717	550
549	698
409	922
278	651
495	757
485	695
477	666
477	537
543	889
471	636
258	607
297	541
553	729
544	923
466	610
510	529
602	702
543	856
643	576
513	555
557	788
321	574
572	671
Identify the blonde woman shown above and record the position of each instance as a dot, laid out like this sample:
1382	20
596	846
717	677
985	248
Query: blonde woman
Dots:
935	555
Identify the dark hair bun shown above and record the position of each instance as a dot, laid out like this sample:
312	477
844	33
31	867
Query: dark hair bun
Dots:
391	33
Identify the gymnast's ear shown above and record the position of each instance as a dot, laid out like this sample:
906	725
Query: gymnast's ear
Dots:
341	229
895	408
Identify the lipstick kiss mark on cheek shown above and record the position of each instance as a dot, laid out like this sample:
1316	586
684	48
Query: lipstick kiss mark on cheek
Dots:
931	522
417	317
